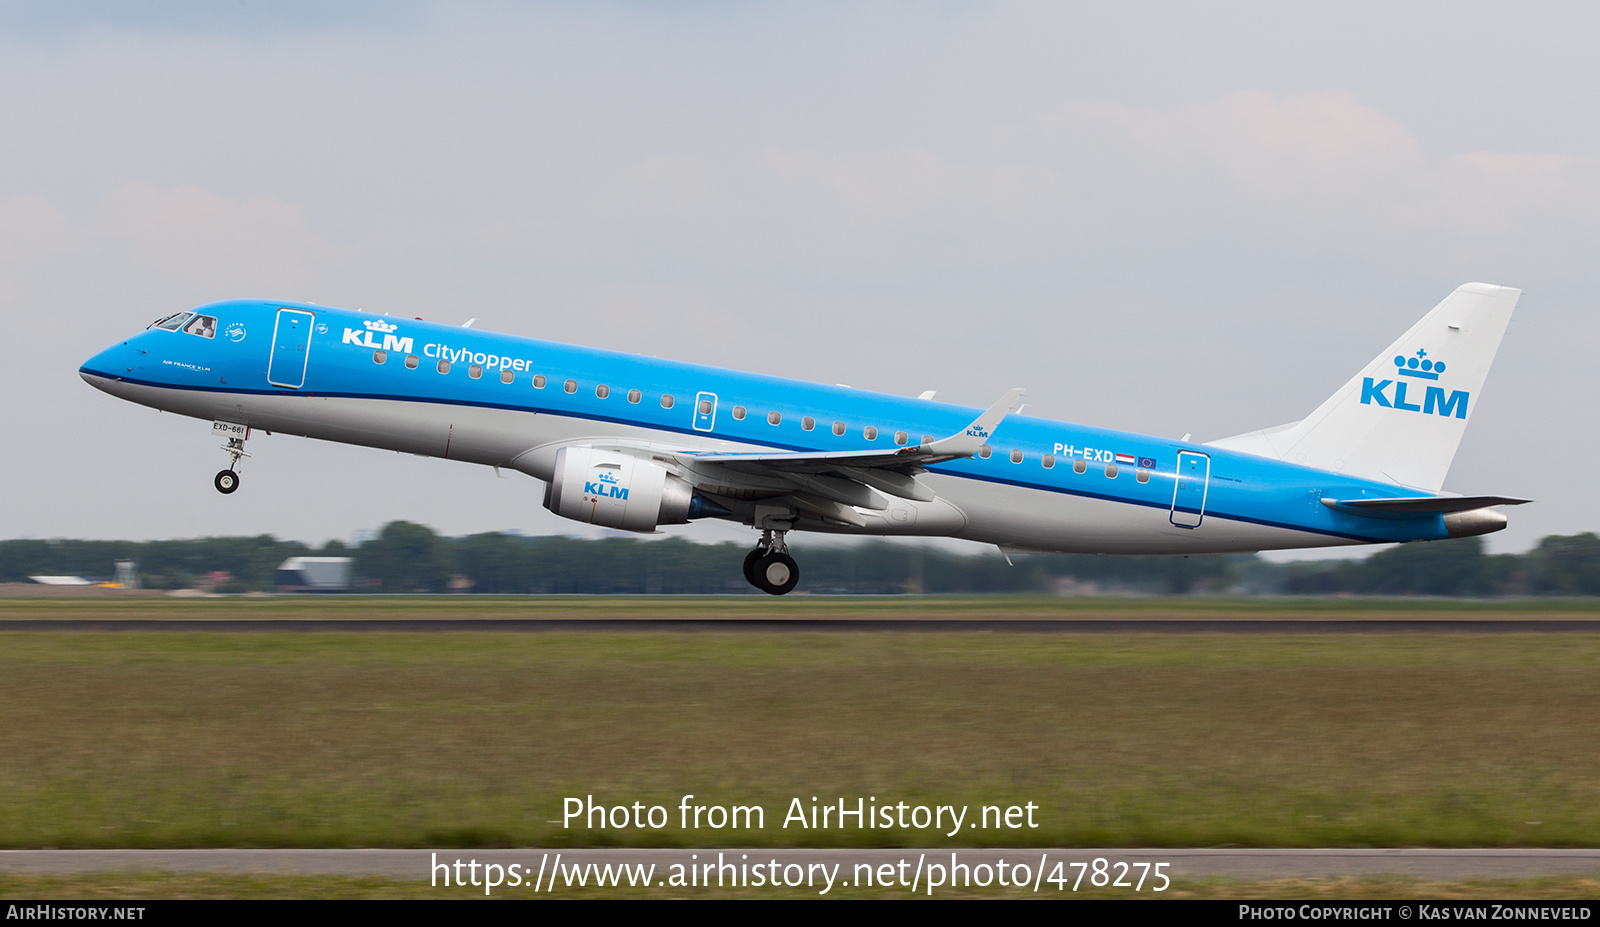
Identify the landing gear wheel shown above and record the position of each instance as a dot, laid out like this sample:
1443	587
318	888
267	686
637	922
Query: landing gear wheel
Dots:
777	573
227	481
750	561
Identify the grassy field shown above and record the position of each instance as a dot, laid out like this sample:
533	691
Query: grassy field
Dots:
791	607
176	739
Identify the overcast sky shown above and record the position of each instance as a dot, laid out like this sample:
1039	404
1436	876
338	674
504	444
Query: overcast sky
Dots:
1166	218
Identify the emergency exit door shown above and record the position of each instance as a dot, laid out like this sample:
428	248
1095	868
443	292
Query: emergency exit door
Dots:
705	411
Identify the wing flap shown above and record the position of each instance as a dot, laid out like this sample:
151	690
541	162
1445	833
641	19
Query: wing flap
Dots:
895	484
847	492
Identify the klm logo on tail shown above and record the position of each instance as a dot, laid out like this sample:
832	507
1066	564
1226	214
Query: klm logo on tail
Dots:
1420	367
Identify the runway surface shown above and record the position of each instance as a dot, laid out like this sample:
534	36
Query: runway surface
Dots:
1027	626
1250	864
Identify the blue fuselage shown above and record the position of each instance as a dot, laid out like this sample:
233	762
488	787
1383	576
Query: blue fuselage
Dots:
1042	484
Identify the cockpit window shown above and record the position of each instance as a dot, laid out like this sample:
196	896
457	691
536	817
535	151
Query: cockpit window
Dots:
203	325
171	322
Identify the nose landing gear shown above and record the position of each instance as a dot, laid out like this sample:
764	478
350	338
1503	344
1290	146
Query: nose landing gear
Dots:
769	567
227	480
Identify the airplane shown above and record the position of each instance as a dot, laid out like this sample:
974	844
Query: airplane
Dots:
635	443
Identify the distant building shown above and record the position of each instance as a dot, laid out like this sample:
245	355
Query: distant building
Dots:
314	574
61	581
127	574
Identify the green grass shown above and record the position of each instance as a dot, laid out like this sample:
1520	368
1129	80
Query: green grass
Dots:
175	739
793	606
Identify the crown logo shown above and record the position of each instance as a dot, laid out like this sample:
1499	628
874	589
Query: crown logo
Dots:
378	325
606	476
1420	366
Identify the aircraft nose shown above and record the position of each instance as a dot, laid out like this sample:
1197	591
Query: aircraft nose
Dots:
113	363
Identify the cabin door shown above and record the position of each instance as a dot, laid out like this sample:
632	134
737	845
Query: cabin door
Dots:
1189	489
705	411
291	343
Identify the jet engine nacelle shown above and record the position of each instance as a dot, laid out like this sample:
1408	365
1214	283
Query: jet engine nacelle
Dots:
616	490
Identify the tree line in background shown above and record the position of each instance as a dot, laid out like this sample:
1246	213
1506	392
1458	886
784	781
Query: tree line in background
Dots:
407	557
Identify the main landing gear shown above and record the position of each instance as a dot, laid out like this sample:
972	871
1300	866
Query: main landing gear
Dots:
228	480
769	567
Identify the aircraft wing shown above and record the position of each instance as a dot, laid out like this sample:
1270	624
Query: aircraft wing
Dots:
830	484
963	443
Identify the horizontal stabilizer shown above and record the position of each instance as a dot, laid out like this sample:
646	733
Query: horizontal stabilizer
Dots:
1421	505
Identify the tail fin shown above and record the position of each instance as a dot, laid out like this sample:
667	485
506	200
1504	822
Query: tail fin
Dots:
1401	418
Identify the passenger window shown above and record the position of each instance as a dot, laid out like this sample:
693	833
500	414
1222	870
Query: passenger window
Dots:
666	401
738	413
1016	457
1142	476
538	381
602	391
808	423
475	371
412	362
1111	471
203	325
900	438
1079	466
1049	461
705	407
444	366
633	395
774	418
984	451
870	433
570	386
380	356
506	376
838	428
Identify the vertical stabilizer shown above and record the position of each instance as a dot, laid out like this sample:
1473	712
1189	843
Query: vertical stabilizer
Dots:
1401	418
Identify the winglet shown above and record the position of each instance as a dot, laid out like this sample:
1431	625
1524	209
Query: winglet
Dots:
966	443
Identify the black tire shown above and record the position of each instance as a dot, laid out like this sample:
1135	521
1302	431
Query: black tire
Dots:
750	565
777	574
226	482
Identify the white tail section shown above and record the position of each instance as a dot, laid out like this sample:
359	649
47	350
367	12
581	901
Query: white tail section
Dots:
1401	418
